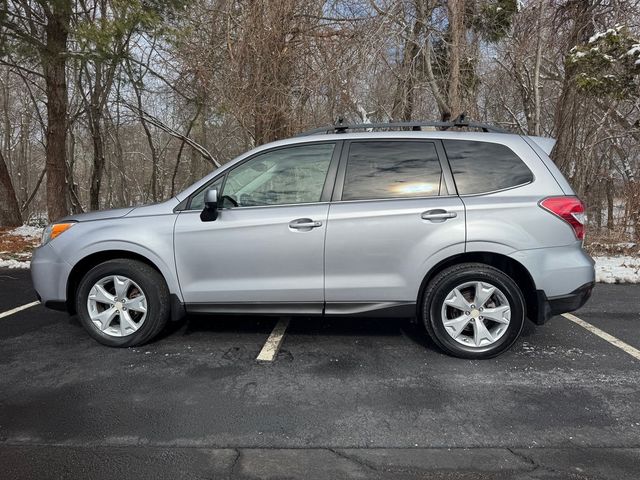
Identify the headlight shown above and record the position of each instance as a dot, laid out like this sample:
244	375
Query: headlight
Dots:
55	229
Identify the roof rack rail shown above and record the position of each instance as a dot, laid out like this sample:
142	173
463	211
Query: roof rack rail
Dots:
459	122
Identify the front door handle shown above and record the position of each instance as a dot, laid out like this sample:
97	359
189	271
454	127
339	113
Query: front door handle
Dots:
304	224
438	215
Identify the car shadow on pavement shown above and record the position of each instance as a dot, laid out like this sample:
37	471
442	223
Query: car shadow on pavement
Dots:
222	324
356	327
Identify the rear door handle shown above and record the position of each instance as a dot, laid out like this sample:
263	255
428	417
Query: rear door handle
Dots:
304	224
438	215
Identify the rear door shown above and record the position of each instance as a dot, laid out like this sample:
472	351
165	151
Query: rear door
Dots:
394	215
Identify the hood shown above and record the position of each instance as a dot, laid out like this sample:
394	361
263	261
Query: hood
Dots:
161	208
98	215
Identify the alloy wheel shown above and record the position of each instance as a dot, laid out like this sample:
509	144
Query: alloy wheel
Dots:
476	314
117	306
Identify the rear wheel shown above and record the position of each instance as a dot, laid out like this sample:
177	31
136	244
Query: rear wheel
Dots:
473	310
123	303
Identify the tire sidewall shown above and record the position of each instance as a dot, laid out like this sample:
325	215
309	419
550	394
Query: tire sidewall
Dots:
496	278
150	287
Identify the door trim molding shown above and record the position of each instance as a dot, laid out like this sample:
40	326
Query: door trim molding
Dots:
371	309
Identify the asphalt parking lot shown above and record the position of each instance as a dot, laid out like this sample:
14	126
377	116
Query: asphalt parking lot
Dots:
365	398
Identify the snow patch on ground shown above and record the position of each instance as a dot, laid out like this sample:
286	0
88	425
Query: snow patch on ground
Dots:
28	231
11	263
618	269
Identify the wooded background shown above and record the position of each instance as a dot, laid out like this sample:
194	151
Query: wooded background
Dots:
107	103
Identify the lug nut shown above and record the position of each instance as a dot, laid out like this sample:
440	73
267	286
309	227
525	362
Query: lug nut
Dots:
467	313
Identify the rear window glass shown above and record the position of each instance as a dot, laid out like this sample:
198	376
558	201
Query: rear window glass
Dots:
480	167
392	169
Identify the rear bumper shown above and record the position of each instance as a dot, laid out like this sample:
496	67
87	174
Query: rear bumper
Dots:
558	271
550	306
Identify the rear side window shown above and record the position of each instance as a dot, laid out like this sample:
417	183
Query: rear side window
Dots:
480	167
391	169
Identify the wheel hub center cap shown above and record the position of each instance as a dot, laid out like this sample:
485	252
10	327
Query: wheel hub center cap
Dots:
118	305
475	313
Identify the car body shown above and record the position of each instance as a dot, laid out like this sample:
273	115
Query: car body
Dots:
336	247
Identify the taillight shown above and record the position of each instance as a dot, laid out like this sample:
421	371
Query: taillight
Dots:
569	209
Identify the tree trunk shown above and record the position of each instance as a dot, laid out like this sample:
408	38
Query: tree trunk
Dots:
536	71
181	149
94	113
568	112
98	156
74	197
457	42
152	148
610	195
54	62
404	98
269	63
9	209
633	205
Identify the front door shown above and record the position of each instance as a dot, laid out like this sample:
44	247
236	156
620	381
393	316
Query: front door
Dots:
265	251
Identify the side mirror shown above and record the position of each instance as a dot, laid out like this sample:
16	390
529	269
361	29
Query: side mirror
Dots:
210	211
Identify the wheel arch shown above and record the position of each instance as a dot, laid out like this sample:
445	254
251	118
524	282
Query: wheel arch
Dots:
504	263
87	262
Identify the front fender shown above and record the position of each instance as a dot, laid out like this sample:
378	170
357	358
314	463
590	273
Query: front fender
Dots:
166	268
150	237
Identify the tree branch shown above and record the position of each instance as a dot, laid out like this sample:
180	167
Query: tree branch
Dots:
174	133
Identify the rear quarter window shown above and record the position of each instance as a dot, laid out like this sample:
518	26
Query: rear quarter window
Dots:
481	167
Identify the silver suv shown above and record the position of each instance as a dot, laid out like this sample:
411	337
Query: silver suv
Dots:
470	231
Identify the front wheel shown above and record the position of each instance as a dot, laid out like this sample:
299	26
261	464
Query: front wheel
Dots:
123	303
473	310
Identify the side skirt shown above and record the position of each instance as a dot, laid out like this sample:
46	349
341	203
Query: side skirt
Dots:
346	309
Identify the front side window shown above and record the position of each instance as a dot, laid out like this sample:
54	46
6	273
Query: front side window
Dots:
284	176
197	201
392	169
481	167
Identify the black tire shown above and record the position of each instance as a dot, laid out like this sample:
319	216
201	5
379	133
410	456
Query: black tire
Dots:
154	288
444	282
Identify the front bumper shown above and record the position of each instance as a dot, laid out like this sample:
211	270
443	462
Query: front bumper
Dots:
550	306
49	274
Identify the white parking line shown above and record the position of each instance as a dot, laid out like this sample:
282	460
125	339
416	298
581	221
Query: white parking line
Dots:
273	343
634	352
19	309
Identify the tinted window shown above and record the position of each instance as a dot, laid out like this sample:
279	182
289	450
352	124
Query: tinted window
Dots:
283	176
480	167
391	169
